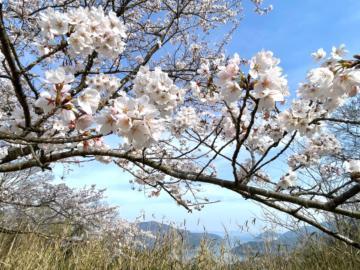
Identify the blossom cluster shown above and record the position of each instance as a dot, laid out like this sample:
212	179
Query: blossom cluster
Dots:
327	87
160	89
352	166
287	181
264	135
300	115
270	85
227	75
185	118
136	119
139	121
320	145
57	94
86	30
154	107
103	83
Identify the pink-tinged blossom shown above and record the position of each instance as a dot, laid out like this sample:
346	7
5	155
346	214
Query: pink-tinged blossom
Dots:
136	120
159	88
287	181
46	102
348	81
124	123
337	53
231	91
352	166
270	87
84	122
59	76
204	69
229	71
89	100
103	83
107	121
262	62
90	30
58	95
67	116
319	54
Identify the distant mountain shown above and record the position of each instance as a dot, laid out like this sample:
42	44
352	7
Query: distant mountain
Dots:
155	227
300	233
192	239
272	242
245	244
235	237
267	235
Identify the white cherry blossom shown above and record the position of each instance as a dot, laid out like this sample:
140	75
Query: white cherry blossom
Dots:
159	88
287	181
337	53
91	30
67	115
231	91
262	62
186	118
89	100
321	78
352	166
54	23
270	87
229	71
319	54
46	102
348	81
59	76
107	121
84	122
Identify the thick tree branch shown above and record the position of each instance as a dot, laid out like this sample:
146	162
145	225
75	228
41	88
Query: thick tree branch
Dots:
182	175
15	74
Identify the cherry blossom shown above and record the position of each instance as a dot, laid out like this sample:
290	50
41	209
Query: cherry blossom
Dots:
352	166
262	62
90	29
337	53
319	54
348	81
270	87
59	76
159	88
186	118
287	181
54	23
46	102
231	91
229	71
140	86
89	100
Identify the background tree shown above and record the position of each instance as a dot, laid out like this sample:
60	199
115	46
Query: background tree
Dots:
31	203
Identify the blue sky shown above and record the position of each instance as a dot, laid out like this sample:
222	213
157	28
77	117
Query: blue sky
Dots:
293	30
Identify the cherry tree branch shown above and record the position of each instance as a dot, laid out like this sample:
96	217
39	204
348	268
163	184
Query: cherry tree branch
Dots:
343	121
190	176
15	74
